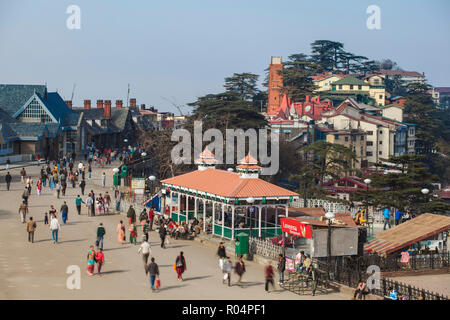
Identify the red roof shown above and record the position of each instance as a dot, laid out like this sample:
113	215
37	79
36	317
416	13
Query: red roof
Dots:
227	184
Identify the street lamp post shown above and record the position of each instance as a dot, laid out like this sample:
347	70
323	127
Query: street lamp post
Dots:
283	238
425	192
329	215
367	182
151	178
250	201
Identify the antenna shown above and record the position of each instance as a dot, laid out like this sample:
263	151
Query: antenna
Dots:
175	105
73	91
128	96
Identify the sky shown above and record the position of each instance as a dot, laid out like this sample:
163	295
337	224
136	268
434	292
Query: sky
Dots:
174	51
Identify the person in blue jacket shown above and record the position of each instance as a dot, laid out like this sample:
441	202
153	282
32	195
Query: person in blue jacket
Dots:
398	217
387	218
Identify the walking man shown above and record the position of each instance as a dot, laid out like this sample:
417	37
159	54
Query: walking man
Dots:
23	210
162	235
281	267
146	252
227	268
25	195
89	205
23	174
78	202
8	179
268	272
82	186
131	215
64	212
239	268
100	234
103	179
153	269
31	227
151	215
387	220
54	227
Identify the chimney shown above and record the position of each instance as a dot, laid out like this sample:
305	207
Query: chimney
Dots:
307	98
99	103
133	103
119	103
107	110
69	103
87	104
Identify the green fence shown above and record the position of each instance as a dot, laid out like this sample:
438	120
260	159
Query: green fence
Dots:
174	216
265	232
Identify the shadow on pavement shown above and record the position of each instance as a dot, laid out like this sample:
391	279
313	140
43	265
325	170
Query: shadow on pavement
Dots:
76	240
114	271
171	287
118	248
196	278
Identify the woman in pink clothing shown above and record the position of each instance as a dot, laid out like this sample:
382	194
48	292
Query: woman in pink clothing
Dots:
39	186
121	232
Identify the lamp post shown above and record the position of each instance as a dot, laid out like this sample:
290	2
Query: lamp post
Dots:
163	207
329	215
250	200
425	191
283	238
367	182
151	178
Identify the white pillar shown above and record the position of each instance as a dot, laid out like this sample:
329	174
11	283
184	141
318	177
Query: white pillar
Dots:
232	223
259	221
187	208
179	206
204	215
223	219
287	211
195	207
170	204
265	218
276	216
213	216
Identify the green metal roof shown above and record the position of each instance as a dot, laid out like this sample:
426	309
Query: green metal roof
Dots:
350	80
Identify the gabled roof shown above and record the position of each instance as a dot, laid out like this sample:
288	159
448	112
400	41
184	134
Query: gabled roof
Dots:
14	96
408	233
401	73
227	184
351	80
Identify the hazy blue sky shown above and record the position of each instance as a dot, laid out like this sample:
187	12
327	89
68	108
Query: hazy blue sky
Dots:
184	49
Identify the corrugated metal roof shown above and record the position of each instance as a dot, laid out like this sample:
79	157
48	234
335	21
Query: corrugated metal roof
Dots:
408	233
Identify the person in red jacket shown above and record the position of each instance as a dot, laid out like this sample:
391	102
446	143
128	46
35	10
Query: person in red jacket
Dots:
151	215
268	272
100	259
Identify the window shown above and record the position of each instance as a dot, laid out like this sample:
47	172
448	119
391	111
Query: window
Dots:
353	138
336	137
380	153
376	82
360	87
351	87
369	143
346	139
381	142
35	111
362	138
340	87
411	132
370	133
381	96
369	153
381	131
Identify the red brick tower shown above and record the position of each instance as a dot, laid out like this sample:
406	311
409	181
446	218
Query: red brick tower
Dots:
275	83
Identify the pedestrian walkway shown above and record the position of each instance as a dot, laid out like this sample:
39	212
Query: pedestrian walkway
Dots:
38	270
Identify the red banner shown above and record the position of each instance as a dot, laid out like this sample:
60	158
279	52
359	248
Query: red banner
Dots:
295	228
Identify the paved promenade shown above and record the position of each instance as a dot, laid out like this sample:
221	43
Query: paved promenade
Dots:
38	270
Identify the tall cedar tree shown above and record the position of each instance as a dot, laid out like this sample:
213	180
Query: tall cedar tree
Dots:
297	77
244	84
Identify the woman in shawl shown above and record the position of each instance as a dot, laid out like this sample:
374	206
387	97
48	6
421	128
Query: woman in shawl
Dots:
121	232
180	266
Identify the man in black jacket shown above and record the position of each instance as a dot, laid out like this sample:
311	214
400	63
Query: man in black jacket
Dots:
162	234
153	269
8	179
281	267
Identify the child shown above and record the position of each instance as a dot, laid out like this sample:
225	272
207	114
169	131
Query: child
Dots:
100	259
133	234
46	218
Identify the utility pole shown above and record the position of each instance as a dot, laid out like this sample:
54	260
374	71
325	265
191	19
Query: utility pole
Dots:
128	96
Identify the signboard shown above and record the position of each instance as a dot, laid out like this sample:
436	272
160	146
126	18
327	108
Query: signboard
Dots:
295	228
405	257
344	242
138	183
290	264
